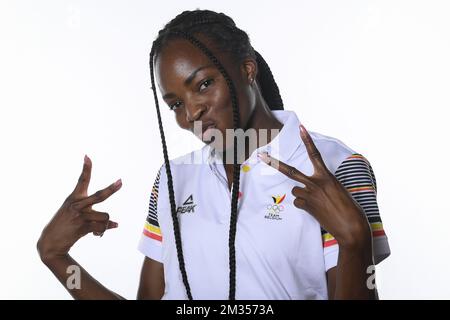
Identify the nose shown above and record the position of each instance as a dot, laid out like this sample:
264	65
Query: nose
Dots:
194	112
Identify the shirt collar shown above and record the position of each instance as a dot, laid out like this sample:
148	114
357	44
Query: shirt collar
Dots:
282	147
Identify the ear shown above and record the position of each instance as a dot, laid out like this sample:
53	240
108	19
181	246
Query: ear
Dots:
249	70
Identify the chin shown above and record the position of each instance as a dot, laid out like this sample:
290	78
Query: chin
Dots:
220	146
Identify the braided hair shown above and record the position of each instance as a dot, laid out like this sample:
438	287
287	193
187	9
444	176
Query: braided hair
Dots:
226	37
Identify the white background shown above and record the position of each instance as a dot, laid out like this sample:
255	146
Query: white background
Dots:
74	79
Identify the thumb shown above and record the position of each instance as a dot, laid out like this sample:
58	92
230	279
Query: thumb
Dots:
98	229
111	225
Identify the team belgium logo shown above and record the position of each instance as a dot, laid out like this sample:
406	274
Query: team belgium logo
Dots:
274	209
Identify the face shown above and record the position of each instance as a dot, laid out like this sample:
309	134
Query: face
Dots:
197	93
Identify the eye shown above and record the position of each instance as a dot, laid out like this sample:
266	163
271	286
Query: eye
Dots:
205	84
175	105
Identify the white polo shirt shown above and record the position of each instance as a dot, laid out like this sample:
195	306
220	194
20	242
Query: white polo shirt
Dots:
281	251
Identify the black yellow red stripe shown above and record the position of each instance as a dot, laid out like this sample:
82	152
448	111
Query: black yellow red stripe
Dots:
356	175
377	231
151	227
152	231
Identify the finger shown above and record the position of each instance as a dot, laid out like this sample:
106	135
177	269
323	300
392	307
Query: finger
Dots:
284	168
92	215
81	188
97	228
92	226
97	216
112	225
300	203
314	154
109	225
299	192
99	196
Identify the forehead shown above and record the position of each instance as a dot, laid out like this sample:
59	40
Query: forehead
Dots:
176	61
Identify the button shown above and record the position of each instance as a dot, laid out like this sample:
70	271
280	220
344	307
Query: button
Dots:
246	168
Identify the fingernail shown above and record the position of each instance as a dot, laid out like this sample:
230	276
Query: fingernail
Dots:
264	156
114	224
86	159
302	129
118	183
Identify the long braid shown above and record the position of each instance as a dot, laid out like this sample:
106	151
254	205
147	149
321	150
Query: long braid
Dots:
240	47
236	166
266	82
176	226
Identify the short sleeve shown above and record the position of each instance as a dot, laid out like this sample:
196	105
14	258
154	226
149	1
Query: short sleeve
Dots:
356	175
150	243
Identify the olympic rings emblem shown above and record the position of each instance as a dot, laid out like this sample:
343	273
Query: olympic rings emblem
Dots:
276	208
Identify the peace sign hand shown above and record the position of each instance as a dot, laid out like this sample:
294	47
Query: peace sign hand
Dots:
76	218
325	198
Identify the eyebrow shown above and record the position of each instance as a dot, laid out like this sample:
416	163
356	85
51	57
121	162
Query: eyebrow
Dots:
188	80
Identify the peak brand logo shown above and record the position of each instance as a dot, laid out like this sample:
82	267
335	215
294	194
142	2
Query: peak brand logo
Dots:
188	205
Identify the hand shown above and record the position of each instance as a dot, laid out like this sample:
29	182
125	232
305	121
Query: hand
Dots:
76	218
325	198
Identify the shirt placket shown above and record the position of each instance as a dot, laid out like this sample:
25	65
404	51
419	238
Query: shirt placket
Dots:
219	171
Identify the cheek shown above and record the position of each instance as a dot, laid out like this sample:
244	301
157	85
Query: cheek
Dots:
225	107
221	107
180	117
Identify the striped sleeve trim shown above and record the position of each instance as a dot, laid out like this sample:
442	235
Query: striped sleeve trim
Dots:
329	240
152	232
356	175
151	227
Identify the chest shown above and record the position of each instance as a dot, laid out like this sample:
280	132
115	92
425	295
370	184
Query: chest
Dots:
268	223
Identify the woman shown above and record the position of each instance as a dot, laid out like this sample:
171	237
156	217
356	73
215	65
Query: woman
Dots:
206	239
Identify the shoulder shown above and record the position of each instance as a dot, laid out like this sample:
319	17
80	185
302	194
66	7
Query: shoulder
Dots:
185	165
334	152
345	163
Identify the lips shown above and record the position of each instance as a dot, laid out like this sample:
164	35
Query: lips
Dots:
207	132
203	129
207	125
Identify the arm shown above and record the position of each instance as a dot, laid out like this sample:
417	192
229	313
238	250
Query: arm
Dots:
151	286
356	175
331	283
74	219
326	199
89	288
348	280
351	273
